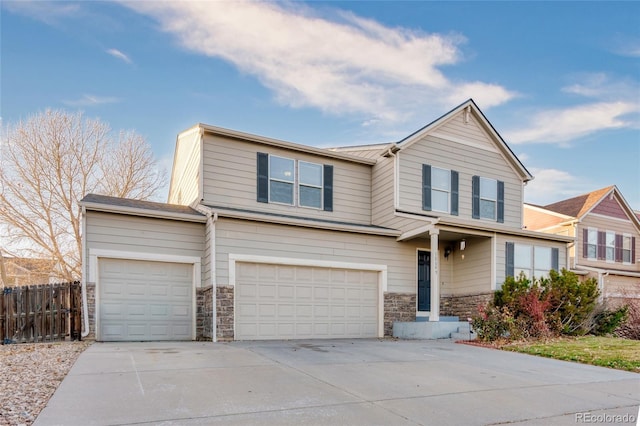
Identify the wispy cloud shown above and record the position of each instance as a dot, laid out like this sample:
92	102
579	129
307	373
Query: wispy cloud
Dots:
340	63
612	105
50	12
91	100
551	185
118	54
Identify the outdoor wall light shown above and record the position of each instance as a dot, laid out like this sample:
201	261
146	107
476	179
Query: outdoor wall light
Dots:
447	252
463	244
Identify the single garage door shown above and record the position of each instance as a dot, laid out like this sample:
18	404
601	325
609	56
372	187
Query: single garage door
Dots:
303	302
143	300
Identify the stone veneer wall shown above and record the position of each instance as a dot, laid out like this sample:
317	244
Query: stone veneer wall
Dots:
398	307
224	307
90	288
204	313
464	306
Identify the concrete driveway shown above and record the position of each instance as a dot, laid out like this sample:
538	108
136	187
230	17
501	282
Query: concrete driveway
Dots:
336	382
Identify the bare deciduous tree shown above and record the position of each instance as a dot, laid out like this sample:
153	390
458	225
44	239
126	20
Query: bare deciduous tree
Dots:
49	162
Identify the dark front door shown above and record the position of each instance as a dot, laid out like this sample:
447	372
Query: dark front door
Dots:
424	281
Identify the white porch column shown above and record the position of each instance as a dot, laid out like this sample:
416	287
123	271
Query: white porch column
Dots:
434	314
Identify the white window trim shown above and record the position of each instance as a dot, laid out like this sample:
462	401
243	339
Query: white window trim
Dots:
381	269
292	182
299	184
441	190
607	246
96	254
494	201
532	266
630	237
589	229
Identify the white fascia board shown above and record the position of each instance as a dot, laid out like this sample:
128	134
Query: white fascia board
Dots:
286	145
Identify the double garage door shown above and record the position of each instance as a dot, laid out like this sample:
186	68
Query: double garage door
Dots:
144	300
303	302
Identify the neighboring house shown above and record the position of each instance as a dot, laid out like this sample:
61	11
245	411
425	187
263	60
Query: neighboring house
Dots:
265	239
21	271
607	234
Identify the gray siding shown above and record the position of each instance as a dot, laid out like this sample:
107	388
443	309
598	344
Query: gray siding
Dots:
185	176
382	203
230	181
252	238
470	275
467	160
143	235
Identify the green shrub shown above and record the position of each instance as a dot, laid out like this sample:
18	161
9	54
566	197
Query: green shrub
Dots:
606	321
572	301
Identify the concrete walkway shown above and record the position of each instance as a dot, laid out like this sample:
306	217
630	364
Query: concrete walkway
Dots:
337	382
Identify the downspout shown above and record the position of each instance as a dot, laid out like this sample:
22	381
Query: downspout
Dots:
83	283
212	217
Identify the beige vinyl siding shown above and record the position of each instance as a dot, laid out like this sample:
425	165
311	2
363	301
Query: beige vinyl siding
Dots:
361	152
467	161
616	286
185	176
501	240
230	181
143	235
470	275
603	223
382	202
535	219
252	238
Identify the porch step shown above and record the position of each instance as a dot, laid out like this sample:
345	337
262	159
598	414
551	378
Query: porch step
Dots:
457	330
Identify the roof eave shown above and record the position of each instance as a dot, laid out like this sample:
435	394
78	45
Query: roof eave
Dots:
135	211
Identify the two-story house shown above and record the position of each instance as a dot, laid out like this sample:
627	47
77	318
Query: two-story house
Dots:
266	239
607	234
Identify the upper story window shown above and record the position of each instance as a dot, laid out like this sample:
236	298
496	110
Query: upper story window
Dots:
439	189
610	250
294	182
626	248
608	246
592	243
487	199
281	180
309	184
532	261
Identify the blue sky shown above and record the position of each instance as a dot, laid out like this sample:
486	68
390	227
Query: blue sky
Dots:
560	81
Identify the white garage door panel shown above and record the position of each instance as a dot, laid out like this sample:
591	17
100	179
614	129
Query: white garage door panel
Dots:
300	302
144	300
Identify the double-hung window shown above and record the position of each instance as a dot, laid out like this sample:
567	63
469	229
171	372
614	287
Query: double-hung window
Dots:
309	185
281	180
292	182
439	190
592	243
626	248
530	260
487	199
610	250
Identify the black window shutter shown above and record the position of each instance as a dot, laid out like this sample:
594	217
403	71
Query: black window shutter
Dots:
454	193
328	188
585	243
426	187
602	248
509	251
633	249
555	259
500	201
475	200
618	249
263	177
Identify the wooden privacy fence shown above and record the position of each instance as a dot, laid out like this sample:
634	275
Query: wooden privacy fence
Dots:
41	313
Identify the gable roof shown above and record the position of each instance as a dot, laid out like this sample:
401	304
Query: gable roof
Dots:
472	108
104	203
578	207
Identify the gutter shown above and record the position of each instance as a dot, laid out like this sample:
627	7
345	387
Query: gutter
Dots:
106	208
83	283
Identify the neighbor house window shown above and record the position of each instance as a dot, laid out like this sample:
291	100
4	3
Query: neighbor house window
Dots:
281	180
592	243
610	253
310	185
530	260
439	190
294	182
487	199
626	248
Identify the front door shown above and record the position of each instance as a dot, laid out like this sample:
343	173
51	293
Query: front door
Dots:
424	281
